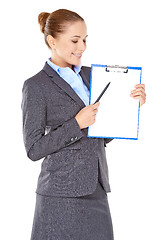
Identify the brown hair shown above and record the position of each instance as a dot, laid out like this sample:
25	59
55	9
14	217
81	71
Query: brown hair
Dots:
55	23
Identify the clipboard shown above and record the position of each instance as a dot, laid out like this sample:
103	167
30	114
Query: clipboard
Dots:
118	113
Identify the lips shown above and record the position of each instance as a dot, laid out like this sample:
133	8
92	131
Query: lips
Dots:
78	55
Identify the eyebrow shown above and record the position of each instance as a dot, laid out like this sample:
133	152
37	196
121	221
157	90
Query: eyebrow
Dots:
79	36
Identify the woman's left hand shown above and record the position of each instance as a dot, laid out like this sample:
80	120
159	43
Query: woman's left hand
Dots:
139	93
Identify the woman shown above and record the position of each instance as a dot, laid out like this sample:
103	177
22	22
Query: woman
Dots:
73	184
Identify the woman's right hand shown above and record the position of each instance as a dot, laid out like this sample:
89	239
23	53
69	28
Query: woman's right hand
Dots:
86	117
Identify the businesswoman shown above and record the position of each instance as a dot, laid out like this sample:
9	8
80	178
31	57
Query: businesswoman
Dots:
71	195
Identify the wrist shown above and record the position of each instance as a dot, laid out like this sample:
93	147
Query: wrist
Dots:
78	122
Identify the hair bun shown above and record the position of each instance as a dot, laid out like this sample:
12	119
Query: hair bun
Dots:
42	18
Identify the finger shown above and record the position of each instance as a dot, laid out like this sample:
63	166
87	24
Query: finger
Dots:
140	86
138	92
139	89
142	100
139	97
94	112
96	105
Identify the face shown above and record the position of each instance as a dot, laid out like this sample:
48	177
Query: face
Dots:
68	47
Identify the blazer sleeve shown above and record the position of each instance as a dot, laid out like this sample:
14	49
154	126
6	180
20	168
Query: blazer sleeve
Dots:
37	143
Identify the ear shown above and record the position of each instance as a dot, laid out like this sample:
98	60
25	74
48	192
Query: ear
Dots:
51	41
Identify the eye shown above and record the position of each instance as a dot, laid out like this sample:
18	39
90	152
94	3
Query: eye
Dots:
75	41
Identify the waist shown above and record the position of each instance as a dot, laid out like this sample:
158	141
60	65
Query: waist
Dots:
99	193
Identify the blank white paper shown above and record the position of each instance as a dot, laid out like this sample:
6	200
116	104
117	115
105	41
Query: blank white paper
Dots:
118	113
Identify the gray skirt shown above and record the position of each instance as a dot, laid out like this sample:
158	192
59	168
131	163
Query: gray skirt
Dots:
79	218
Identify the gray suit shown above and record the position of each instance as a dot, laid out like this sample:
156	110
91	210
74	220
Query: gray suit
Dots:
70	165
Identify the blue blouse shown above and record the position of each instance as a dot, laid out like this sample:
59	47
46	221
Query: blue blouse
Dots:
74	79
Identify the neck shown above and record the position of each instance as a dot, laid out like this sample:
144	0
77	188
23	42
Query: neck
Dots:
59	63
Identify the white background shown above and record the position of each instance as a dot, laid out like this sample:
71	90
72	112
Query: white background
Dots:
120	32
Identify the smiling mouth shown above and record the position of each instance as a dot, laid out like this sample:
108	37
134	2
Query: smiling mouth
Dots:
77	55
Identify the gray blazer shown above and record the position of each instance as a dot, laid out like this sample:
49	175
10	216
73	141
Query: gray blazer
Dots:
50	130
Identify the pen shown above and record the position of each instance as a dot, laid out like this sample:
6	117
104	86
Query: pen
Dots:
102	92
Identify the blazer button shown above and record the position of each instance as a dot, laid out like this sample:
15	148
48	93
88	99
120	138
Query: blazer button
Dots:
72	139
76	138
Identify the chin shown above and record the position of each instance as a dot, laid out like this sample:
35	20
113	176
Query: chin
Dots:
76	62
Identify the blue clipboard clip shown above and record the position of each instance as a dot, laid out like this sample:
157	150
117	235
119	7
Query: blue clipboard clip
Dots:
116	68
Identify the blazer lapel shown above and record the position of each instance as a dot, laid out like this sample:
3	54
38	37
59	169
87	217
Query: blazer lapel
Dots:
84	78
63	84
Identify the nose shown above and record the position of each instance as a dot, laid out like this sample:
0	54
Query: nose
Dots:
82	46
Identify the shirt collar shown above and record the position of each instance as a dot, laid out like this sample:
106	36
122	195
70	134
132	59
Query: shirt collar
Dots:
77	68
